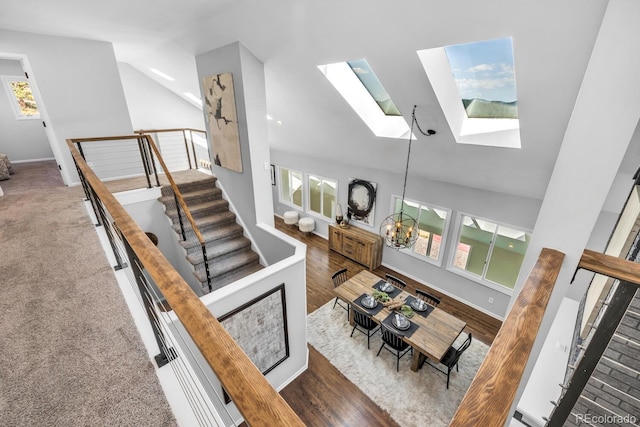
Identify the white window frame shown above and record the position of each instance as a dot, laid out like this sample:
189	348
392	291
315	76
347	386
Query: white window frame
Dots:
445	230
6	82
322	179
286	202
467	274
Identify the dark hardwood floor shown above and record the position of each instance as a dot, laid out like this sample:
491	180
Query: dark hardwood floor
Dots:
322	396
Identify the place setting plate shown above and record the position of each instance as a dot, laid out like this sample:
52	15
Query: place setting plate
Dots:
401	323
418	305
369	302
386	287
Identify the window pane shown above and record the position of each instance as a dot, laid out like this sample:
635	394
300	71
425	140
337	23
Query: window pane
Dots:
296	188
475	238
421	246
436	243
285	192
329	198
367	77
507	256
432	222
484	73
315	194
24	98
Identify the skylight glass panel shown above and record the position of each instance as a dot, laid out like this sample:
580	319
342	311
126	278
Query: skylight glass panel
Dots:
379	113
484	73
367	77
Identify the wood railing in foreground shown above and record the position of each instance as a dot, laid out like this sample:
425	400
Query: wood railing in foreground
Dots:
491	393
616	268
258	402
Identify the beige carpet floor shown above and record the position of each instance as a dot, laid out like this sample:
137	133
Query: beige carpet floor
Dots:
413	399
70	353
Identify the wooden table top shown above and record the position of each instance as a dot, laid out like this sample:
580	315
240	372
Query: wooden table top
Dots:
436	332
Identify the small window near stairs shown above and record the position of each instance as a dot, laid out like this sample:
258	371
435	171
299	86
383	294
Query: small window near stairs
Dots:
21	98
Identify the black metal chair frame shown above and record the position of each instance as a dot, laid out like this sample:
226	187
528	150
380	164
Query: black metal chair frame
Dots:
427	297
338	278
395	281
364	323
451	358
395	342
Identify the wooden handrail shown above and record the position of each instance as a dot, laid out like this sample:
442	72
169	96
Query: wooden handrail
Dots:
141	131
608	265
491	393
258	402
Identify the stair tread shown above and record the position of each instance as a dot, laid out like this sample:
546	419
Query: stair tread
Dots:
217	250
201	193
210	220
210	235
215	205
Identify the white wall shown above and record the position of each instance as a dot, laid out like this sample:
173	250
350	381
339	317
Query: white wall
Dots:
21	140
80	86
153	106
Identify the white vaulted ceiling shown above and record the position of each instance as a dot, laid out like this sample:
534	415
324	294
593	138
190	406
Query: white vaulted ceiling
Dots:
552	43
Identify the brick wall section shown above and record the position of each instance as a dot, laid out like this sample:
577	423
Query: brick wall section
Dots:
614	387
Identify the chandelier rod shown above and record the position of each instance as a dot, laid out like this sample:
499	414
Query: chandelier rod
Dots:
406	169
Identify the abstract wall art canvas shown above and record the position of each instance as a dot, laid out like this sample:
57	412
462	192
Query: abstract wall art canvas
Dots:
220	107
361	201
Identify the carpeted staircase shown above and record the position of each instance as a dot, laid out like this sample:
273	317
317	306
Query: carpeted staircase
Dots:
229	253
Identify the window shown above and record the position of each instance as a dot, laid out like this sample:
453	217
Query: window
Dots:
322	196
290	187
476	87
485	77
489	252
433	223
23	101
359	86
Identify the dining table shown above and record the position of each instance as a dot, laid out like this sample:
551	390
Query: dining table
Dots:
433	331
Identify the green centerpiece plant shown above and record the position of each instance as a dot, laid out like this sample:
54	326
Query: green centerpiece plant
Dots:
407	311
381	296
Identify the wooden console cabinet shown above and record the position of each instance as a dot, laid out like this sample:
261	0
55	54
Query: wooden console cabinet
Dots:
360	245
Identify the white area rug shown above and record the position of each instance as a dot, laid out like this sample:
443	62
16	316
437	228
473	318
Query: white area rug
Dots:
411	398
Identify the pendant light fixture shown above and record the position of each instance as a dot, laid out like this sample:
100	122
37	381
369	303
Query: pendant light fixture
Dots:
400	230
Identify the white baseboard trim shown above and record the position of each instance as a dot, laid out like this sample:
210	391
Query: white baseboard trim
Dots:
32	160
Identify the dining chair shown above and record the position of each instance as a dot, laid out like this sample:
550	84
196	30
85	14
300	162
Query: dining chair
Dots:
427	297
363	323
396	282
394	344
451	358
338	278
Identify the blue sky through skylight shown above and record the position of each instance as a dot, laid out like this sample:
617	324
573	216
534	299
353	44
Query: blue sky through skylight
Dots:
484	70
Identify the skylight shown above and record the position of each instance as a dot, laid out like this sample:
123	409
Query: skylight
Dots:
485	76
359	86
475	86
368	78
